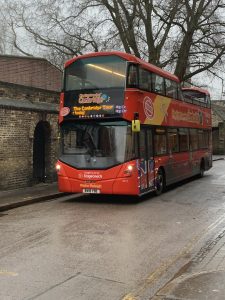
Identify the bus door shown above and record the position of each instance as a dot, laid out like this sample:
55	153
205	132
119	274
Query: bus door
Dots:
146	162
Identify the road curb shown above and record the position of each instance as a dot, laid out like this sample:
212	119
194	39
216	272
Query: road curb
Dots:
20	203
221	158
192	285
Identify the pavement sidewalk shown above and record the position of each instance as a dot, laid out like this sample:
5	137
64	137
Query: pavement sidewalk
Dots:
218	157
204	276
204	279
25	196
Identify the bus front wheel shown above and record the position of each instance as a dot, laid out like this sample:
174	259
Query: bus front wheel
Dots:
160	182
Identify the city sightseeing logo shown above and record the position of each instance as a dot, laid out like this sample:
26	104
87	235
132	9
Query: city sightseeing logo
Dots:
148	108
64	111
97	98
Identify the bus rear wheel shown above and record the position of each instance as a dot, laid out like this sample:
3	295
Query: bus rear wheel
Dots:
202	169
160	182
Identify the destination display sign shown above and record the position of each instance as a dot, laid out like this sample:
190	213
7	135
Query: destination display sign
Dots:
93	104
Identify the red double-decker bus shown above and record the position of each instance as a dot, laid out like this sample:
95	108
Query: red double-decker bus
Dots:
128	128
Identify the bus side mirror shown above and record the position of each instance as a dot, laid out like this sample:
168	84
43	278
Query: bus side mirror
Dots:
136	125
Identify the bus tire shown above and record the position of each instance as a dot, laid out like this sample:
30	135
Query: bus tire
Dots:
202	168
160	182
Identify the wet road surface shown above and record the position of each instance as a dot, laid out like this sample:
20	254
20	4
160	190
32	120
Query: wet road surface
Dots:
107	247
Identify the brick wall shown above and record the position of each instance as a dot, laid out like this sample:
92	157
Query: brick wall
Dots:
219	102
216	119
17	126
16	144
218	124
29	71
218	135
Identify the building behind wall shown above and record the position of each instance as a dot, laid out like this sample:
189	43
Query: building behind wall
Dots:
30	71
28	123
218	126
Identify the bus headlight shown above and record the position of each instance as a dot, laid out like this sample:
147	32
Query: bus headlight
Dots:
58	167
128	171
130	168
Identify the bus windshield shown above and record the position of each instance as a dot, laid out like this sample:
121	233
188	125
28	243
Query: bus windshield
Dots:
96	73
97	145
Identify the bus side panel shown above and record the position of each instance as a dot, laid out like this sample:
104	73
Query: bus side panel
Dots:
178	167
197	157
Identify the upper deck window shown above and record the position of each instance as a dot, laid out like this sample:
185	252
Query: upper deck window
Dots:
132	76
196	97
96	72
145	80
158	84
171	88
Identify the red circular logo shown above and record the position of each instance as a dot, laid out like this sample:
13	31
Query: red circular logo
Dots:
64	111
148	108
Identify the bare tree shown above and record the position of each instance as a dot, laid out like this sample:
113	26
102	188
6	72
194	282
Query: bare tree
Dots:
5	32
172	34
175	33
47	28
3	39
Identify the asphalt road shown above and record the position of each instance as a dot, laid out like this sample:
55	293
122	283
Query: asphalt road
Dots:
107	247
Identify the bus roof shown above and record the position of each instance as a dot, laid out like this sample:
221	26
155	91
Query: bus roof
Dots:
196	89
128	57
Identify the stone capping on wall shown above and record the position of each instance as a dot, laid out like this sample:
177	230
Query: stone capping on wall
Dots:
28	105
19	97
21	92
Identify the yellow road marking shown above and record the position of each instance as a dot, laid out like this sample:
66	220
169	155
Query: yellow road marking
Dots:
7	273
167	264
129	297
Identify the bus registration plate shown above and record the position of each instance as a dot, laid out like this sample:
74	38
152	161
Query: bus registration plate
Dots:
91	191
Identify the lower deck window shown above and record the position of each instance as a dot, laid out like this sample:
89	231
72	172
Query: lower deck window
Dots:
203	138
173	143
160	143
193	139
183	139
